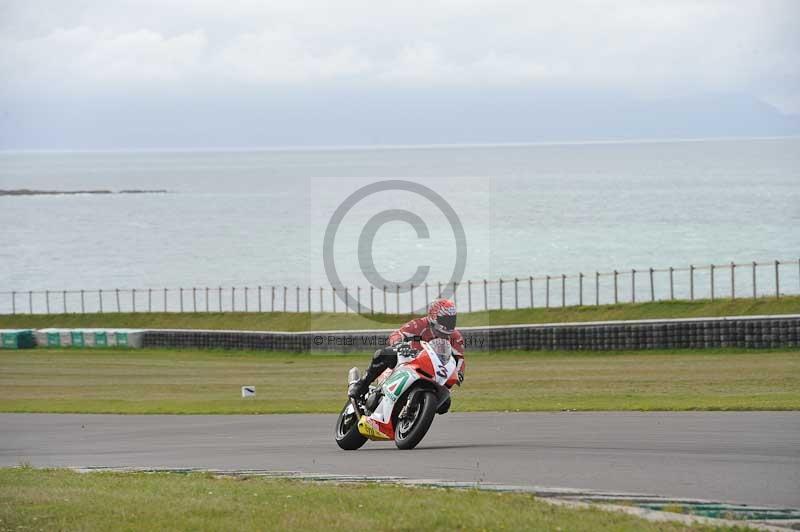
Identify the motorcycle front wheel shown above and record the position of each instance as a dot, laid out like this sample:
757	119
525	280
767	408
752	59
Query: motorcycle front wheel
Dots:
347	435
419	416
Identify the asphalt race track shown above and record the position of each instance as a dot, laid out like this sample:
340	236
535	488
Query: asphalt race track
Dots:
741	457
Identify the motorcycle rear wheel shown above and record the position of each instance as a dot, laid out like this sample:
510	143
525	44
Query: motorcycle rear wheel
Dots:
347	435
411	431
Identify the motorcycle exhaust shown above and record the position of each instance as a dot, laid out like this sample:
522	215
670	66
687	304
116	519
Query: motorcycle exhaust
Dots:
353	375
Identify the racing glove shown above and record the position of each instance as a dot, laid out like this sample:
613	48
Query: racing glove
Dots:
404	349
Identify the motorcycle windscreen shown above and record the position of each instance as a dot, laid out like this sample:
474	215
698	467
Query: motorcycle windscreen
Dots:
442	349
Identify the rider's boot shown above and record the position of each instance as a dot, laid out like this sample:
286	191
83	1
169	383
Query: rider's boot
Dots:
359	387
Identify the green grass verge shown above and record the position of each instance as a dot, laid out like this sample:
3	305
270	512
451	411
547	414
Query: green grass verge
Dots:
208	382
292	321
34	499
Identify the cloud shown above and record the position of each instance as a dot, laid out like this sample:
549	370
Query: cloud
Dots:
652	49
86	55
280	56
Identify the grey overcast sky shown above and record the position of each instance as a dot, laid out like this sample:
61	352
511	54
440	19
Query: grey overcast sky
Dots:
117	74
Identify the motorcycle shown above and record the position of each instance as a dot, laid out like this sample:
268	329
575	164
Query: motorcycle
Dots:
402	402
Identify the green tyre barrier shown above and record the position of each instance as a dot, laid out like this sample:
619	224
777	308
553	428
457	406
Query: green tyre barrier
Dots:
17	339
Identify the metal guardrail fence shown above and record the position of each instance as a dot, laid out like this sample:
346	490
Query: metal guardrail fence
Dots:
713	281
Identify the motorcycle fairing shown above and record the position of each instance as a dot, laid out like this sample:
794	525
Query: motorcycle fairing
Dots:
441	371
375	430
395	383
406	374
383	376
399	381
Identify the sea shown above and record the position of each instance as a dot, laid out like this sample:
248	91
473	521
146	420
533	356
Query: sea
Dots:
310	218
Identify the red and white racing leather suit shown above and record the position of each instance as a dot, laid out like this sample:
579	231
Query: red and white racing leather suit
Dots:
419	329
413	332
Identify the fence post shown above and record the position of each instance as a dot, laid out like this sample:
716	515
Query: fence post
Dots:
671	285
633	285
346	306
206	299
652	287
530	290
233	298
64	300
469	296
219	298
285	291
455	293
194	299
272	297
30	301
165	300
516	296
426	294
47	301
259	299
547	292
691	282
296	297
117	295
384	299
397	298
501	293
563	290
439	287
83	306
149	300
711	269
333	298
580	289
733	280
358	299
180	296
372	298
411	296
777	280
596	289
133	299
308	300
485	295
321	301
13	302
246	303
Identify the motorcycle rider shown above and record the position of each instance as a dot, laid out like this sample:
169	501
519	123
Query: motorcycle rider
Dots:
439	323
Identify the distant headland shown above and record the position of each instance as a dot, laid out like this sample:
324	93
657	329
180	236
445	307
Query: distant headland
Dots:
29	192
